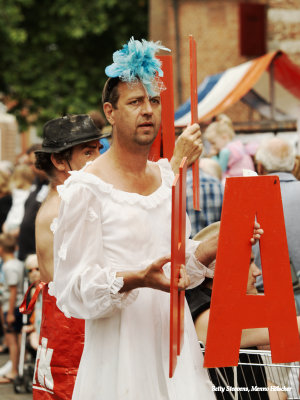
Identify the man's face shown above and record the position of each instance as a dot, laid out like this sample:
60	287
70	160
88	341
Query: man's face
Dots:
31	162
254	272
82	153
136	120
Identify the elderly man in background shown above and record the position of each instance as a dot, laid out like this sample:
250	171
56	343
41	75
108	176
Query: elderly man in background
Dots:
211	195
276	156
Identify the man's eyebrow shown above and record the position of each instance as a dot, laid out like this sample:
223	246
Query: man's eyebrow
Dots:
88	146
138	97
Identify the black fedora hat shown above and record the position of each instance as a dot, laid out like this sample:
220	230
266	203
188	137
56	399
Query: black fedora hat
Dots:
62	133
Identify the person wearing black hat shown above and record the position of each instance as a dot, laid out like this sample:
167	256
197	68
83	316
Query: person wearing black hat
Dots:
68	144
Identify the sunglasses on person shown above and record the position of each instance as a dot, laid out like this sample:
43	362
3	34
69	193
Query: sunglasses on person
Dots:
33	269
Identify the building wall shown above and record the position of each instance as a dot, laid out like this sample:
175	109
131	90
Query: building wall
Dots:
284	27
215	26
8	137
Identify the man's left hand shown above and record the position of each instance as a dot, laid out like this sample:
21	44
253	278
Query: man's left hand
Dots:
257	232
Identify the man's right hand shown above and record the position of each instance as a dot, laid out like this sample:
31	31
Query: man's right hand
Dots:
155	278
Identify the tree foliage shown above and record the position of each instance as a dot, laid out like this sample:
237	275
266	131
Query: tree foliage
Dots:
53	53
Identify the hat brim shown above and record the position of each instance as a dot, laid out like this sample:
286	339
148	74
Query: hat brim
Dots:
49	149
207	232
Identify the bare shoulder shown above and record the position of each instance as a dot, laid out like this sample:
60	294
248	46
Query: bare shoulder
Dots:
44	236
48	211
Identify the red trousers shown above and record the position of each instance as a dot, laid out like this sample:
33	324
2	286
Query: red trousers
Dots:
59	352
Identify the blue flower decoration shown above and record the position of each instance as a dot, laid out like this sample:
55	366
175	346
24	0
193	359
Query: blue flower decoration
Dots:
137	61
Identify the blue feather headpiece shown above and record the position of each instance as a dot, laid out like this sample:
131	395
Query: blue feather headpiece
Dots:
137	61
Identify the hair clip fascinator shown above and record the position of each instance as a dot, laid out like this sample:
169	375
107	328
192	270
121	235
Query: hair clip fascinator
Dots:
135	62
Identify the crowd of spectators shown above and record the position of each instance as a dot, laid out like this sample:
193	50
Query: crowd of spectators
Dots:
23	188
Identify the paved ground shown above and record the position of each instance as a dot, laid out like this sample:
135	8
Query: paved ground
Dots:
7	390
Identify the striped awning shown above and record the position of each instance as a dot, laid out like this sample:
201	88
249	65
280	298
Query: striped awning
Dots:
218	92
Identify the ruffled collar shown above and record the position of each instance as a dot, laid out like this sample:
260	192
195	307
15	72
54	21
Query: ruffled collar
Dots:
99	187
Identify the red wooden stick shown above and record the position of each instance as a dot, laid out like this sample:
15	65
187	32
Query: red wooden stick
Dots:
194	117
181	248
177	258
174	278
167	107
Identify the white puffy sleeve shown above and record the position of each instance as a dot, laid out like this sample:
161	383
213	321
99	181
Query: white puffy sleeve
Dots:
196	270
84	286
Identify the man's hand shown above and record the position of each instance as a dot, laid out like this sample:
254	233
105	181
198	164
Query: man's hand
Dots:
207	250
184	279
257	232
188	144
155	278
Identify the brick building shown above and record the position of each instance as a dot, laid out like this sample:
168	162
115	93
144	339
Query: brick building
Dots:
228	33
8	137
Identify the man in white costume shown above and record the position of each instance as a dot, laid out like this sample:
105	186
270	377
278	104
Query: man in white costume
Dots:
112	247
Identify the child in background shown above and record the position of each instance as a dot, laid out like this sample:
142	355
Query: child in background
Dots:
231	154
33	329
12	296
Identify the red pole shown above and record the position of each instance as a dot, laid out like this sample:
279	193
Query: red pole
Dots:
194	117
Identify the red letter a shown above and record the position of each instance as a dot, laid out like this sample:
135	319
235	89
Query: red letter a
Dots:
232	310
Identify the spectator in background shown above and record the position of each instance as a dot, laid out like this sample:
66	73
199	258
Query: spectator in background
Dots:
38	193
5	205
211	198
231	154
296	171
11	300
211	167
20	183
33	329
7	167
99	122
276	156
5	197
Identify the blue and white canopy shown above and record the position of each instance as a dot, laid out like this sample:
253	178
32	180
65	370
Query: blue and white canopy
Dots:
218	92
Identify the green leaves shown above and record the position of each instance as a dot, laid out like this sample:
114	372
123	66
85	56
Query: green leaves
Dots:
53	54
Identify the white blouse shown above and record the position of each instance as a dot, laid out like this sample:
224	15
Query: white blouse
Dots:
100	231
16	212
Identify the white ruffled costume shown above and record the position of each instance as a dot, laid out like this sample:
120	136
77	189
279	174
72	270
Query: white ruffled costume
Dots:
102	230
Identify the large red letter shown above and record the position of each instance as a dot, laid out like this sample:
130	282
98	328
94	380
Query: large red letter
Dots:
231	308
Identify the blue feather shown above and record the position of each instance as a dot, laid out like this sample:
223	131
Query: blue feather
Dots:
137	61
